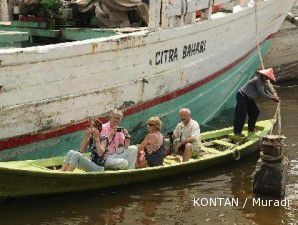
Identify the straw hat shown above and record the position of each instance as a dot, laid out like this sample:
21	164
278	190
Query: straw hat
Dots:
268	73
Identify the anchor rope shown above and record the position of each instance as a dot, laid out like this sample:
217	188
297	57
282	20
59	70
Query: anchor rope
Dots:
277	115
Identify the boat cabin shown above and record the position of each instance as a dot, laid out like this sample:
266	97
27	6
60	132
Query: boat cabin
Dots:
163	14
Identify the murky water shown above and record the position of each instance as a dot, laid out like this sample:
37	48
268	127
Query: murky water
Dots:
170	201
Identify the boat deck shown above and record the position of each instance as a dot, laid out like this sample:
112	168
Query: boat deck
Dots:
36	33
13	38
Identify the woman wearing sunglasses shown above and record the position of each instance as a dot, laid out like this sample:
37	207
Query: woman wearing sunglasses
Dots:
151	150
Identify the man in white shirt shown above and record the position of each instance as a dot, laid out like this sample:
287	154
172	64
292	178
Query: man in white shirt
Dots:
187	136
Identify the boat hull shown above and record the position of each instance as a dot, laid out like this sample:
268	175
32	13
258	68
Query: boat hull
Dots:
205	102
22	183
48	93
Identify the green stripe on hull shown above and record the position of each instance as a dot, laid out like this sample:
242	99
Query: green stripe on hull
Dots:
205	102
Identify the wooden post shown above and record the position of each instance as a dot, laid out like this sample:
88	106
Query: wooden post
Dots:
165	20
154	15
189	17
271	170
5	14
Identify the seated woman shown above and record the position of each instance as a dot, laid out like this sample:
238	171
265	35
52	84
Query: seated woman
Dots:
95	143
124	157
151	150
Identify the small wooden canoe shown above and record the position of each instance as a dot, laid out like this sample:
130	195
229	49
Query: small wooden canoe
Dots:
35	177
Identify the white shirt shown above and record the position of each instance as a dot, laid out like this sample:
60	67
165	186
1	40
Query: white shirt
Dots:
191	130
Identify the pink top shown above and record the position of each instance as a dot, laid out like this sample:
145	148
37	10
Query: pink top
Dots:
114	141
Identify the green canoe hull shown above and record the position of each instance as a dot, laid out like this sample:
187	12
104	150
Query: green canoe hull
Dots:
28	178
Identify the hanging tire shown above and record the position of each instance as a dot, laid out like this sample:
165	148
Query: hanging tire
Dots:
236	155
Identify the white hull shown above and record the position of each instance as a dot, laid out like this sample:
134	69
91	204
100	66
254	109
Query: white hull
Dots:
47	87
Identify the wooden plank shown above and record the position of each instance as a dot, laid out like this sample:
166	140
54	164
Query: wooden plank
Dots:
13	39
28	24
224	143
73	34
32	31
13	36
77	34
5	8
178	8
154	15
210	150
217	2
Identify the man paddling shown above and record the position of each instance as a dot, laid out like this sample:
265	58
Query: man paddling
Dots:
246	104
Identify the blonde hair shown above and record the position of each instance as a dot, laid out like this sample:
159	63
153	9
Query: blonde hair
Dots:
116	112
156	122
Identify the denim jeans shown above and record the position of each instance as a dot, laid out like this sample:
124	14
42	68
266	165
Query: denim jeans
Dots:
79	160
123	159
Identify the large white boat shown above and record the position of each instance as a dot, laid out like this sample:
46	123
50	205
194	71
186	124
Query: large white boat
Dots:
49	92
283	56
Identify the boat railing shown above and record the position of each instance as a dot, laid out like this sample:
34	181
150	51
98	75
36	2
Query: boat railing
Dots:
175	13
